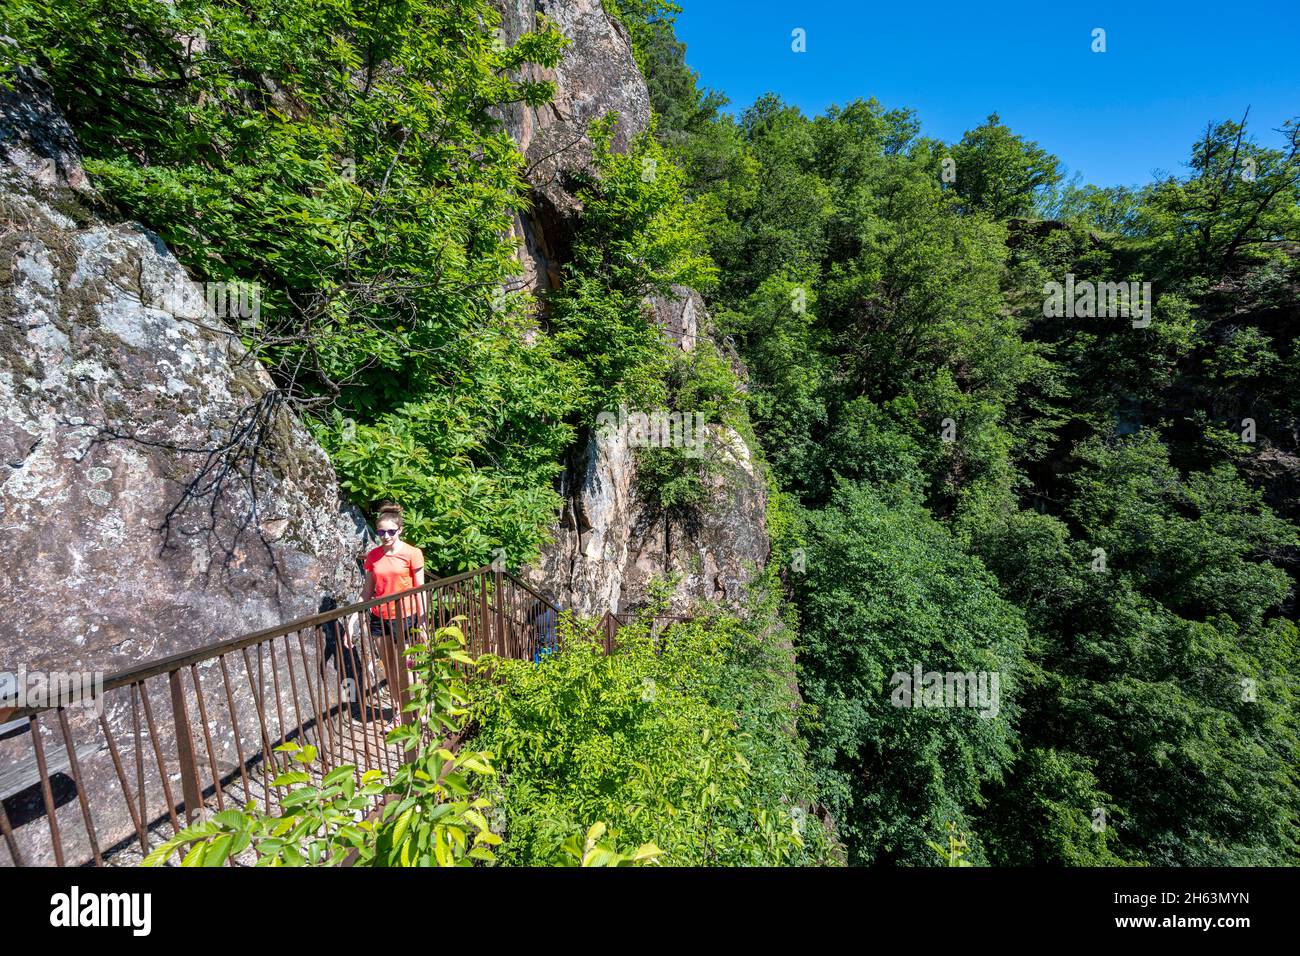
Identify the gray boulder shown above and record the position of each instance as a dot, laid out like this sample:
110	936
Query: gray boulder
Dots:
156	495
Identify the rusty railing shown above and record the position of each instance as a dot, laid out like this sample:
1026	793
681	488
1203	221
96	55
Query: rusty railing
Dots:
611	624
185	735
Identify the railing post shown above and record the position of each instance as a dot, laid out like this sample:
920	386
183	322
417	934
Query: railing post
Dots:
403	695
607	625
484	628
185	748
502	637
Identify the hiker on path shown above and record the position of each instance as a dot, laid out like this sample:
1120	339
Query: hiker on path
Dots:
391	568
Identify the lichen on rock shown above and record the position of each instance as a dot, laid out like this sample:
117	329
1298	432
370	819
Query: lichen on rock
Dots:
117	394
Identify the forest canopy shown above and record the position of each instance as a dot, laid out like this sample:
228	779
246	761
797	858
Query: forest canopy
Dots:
1096	505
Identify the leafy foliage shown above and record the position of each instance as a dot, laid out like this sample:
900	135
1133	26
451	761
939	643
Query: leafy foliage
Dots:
886	294
886	591
682	738
999	173
431	814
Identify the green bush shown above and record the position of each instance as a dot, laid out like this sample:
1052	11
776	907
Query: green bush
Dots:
684	740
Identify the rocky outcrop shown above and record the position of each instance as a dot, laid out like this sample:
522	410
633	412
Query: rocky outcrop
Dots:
155	493
597	76
678	315
609	541
712	550
128	484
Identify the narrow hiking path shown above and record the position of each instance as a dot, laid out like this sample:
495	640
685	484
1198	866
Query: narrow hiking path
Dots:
196	732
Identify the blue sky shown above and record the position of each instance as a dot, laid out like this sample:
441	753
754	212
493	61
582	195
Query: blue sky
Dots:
1114	117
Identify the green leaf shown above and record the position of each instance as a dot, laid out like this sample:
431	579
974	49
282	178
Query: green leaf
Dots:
291	778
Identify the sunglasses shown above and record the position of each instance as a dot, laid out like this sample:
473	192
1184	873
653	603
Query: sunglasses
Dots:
385	532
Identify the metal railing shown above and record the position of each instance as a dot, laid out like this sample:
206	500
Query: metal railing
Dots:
188	734
611	624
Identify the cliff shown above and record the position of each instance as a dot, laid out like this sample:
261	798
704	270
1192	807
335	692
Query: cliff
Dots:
133	521
155	493
609	542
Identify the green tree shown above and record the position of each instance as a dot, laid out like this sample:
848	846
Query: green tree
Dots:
887	589
1240	198
1000	173
1163	673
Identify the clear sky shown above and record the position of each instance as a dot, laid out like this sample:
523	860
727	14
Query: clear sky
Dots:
1115	117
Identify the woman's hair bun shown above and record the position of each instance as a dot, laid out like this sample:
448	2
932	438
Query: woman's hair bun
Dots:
391	512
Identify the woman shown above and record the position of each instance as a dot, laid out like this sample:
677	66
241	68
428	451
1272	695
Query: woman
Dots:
391	568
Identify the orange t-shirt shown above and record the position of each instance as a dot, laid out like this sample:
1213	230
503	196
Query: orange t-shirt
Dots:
394	573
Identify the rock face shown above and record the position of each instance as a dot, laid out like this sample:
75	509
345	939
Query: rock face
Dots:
609	541
131	530
119	391
598	75
716	548
679	315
